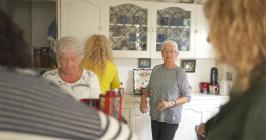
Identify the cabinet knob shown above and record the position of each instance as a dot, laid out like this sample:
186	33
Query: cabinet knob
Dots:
196	31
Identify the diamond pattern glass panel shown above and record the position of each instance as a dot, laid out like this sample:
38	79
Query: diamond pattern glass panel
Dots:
128	27
173	24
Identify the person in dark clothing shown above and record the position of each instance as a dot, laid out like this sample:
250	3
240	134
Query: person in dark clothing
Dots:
33	108
238	34
14	51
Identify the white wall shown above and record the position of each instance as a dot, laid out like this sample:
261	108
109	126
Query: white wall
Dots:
202	72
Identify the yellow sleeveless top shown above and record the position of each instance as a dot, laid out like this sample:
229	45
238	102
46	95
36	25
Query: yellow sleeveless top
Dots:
109	80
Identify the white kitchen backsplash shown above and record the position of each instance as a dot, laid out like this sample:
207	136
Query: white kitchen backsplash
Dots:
202	72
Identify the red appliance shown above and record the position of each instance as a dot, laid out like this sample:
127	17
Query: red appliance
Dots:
204	87
112	104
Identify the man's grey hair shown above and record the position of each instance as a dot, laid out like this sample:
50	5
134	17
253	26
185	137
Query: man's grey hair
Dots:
170	42
69	43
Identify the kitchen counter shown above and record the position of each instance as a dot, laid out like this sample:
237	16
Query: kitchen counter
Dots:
132	101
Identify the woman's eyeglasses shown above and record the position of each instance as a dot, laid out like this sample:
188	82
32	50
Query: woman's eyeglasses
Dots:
169	51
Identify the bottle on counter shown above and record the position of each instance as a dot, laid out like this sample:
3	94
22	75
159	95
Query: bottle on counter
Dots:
214	76
121	90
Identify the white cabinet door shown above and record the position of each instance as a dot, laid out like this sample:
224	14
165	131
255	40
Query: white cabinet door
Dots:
203	49
207	114
126	115
81	18
173	21
186	130
141	124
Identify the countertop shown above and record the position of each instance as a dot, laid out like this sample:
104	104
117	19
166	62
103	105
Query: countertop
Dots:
199	99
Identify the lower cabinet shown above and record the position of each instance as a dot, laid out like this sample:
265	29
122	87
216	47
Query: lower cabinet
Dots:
190	118
126	115
141	124
193	114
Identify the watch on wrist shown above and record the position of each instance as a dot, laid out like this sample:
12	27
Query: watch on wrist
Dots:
174	103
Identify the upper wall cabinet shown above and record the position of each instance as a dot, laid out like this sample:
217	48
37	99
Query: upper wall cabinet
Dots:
203	49
128	29
82	18
173	22
138	29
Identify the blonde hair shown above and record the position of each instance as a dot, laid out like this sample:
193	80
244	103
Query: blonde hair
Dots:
97	52
238	34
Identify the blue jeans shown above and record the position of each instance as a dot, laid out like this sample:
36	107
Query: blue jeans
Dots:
163	131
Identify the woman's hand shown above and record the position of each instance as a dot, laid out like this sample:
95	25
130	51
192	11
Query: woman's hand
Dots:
200	129
143	104
164	104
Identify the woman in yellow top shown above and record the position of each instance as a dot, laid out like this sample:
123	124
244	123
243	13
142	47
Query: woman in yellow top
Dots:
98	58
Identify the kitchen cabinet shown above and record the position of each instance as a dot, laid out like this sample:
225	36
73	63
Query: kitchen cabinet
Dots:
126	115
128	29
176	22
137	29
199	109
203	49
190	117
82	18
141	124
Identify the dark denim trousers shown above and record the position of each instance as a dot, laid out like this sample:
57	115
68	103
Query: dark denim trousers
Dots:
163	131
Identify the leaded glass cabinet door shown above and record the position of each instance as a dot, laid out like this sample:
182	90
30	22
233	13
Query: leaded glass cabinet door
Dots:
175	23
128	31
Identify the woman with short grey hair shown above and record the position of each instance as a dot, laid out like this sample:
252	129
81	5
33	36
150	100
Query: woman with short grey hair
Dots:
173	43
168	89
78	82
65	43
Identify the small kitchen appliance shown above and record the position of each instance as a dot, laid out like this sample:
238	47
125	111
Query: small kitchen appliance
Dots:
214	84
